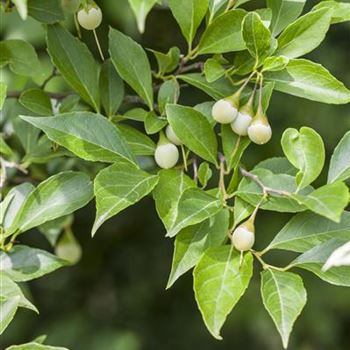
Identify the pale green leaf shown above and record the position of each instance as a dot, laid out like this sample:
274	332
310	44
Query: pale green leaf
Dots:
305	150
141	8
277	165
90	136
34	346
275	63
114	196
22	8
194	131
192	241
204	173
213	70
284	297
154	123
340	10
75	62
219	282
132	64
339	257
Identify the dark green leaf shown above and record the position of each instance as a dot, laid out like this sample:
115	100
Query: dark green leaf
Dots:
37	101
46	11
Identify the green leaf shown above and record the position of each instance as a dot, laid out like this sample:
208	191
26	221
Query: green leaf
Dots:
215	6
340	10
59	195
75	62
114	196
18	194
219	89
305	150
141	8
169	92
90	136
339	168
8	311
37	101
194	131
204	173
154	123
306	230
69	103
213	70
167	62
329	200
21	57
305	34
309	80
172	183
46	11
22	8
284	297
52	229
139	143
283	13
223	34
192	241
242	210
189	15
34	346
233	146
111	88
277	165
339	257
256	36
132	64
3	90
23	263
194	206
314	259
219	282
5	148
275	63
205	108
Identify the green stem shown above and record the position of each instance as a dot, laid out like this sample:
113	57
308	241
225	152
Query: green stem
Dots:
98	45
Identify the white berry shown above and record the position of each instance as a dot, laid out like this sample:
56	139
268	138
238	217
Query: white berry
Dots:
166	155
242	238
171	136
90	18
241	123
259	132
224	112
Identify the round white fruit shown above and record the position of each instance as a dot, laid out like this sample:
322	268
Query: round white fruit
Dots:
259	132
224	112
171	136
241	123
90	18
166	155
242	238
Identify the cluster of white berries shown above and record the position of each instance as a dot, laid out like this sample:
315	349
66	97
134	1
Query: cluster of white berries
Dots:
167	154
243	237
90	16
242	119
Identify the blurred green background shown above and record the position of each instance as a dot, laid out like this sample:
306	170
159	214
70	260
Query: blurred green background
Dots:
115	298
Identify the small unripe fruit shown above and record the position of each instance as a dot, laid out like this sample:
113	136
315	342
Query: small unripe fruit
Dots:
243	237
90	18
224	111
172	137
166	155
260	131
241	124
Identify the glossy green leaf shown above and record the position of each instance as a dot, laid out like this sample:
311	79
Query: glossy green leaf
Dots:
219	282
256	36
305	34
46	11
284	297
329	200
192	241
59	195
314	259
111	88
169	92
75	62
154	123
167	62
283	13
213	70
215	7
114	196
306	230
223	34
194	131
37	101
132	64
141	8
189	15
23	263
340	10
194	206
21	57
309	80
339	168
90	136
305	150
172	183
